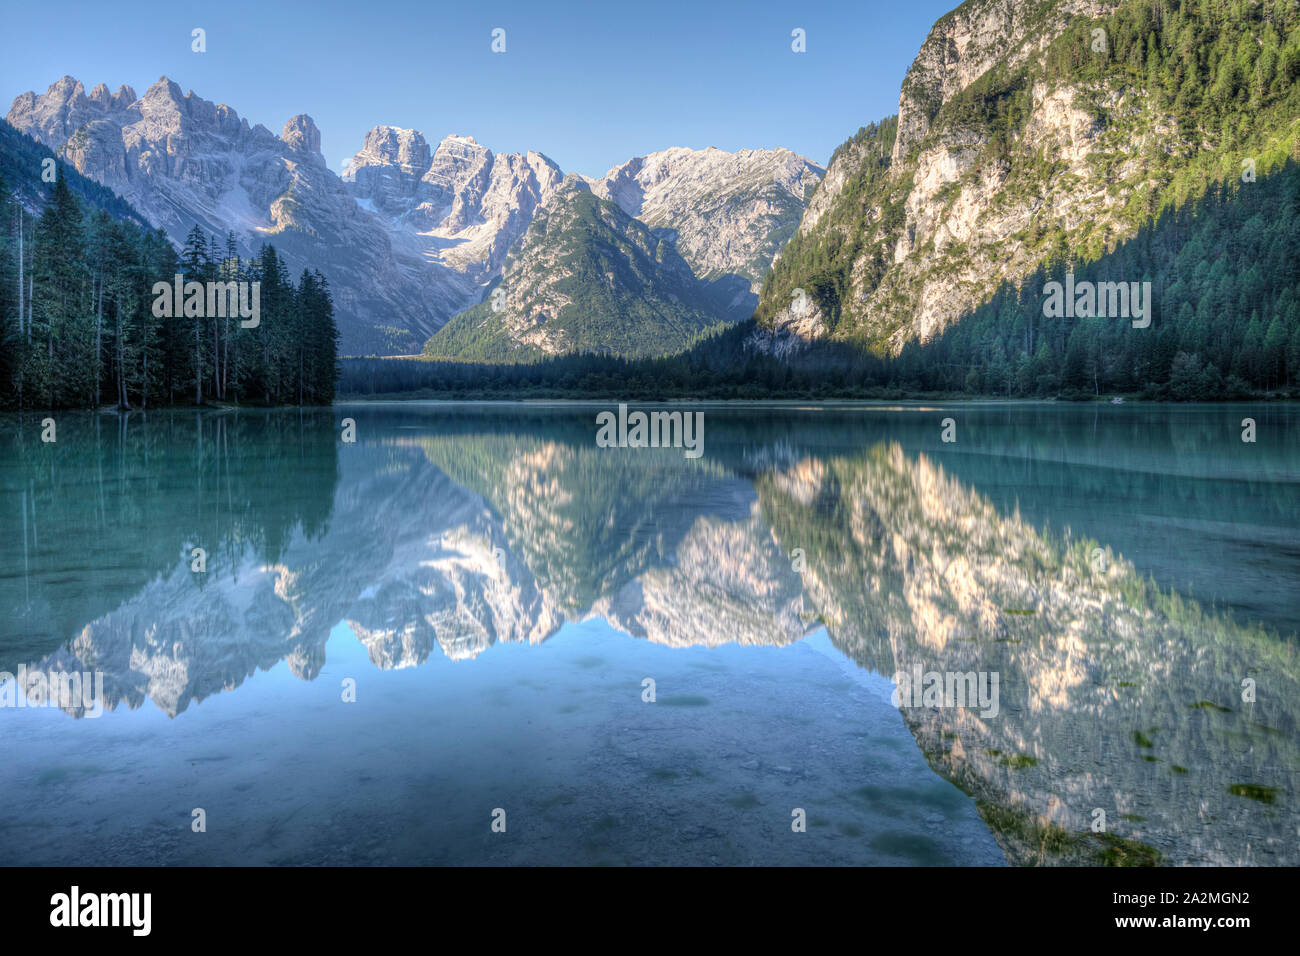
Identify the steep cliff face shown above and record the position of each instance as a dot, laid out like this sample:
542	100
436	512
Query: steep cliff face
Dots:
729	213
184	162
459	205
411	234
968	42
585	277
1027	132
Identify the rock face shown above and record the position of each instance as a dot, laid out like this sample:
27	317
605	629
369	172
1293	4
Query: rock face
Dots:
301	135
966	43
585	277
183	161
729	213
460	206
997	162
410	235
726	214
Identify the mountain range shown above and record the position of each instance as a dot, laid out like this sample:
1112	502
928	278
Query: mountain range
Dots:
1121	140
410	234
587	277
1031	134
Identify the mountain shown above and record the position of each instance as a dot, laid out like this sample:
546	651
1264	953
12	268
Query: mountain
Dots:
456	208
183	161
459	205
20	154
1028	134
410	235
585	277
728	213
1225	277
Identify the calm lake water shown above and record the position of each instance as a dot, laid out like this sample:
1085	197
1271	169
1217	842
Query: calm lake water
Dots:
473	619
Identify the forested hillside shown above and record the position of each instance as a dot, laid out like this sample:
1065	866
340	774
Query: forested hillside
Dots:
23	166
586	277
1036	134
1225	279
78	325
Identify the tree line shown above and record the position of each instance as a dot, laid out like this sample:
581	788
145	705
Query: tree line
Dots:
1222	73
80	325
1225	277
1225	283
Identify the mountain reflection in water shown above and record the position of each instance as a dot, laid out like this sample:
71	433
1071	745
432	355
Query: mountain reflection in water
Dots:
461	528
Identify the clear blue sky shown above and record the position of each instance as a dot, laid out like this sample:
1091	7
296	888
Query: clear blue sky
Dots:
588	84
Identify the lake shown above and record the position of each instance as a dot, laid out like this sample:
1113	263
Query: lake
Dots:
844	634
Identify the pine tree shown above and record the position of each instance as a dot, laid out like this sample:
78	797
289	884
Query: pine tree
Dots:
196	264
61	368
11	340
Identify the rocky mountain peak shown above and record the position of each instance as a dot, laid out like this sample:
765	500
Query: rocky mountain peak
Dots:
967	42
301	135
106	101
66	88
572	182
391	146
585	277
729	212
414	229
460	149
164	90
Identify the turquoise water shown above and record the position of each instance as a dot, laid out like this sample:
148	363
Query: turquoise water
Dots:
452	621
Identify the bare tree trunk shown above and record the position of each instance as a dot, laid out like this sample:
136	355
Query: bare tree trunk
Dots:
122	401
198	365
99	325
20	304
20	273
225	360
216	359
